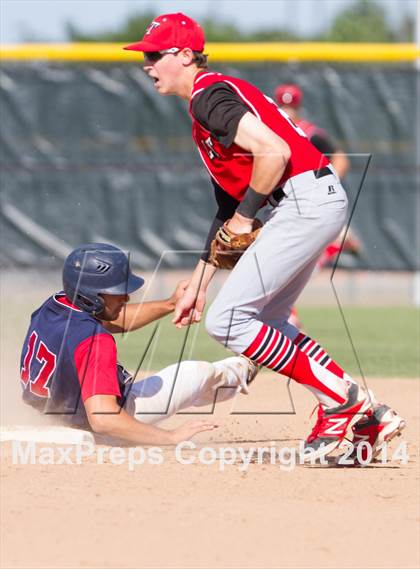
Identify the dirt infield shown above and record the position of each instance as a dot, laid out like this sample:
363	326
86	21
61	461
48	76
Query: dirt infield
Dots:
174	515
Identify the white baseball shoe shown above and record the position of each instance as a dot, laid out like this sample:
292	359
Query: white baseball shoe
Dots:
253	370
236	371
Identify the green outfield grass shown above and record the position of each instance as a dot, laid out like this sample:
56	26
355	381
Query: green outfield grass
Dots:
386	341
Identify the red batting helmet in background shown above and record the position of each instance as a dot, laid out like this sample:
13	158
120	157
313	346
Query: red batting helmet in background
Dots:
171	30
289	95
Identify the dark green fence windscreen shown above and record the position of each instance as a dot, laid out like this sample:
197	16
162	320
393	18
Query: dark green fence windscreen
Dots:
90	152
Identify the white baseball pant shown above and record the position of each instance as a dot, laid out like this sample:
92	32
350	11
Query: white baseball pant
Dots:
272	273
191	384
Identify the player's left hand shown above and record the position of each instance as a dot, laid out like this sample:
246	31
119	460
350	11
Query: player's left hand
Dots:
188	430
227	247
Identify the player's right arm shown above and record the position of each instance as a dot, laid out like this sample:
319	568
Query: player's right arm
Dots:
107	418
271	154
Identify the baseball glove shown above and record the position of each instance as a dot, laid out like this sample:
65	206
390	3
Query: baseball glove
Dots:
227	247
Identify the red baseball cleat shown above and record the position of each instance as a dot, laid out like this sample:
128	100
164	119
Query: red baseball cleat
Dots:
381	425
333	423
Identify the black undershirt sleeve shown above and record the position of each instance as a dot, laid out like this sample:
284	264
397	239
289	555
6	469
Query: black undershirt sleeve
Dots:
219	109
226	208
323	144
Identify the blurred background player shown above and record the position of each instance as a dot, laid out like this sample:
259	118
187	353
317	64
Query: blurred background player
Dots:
69	354
289	97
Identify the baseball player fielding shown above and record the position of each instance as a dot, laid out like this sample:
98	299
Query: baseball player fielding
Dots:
256	155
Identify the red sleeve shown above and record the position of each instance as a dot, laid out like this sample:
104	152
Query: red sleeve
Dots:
96	363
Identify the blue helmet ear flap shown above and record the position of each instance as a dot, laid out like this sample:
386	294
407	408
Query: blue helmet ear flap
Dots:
93	305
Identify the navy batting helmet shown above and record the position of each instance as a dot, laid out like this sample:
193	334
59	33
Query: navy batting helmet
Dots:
97	268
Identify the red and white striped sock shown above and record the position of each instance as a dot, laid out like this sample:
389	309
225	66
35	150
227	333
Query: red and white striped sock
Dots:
274	350
315	351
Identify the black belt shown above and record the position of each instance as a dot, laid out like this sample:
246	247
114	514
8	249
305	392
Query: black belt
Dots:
278	194
322	172
276	197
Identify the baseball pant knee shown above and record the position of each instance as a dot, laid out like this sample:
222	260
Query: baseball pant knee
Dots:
224	325
215	326
233	328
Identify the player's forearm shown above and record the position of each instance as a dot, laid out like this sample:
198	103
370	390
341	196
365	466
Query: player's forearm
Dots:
267	170
135	316
269	151
202	276
118	424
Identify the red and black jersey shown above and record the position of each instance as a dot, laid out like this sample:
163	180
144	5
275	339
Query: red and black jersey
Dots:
67	357
231	166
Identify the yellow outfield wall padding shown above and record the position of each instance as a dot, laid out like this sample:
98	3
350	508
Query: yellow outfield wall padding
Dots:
246	52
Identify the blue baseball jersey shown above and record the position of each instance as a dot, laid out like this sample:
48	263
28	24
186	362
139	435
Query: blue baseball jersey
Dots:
67	357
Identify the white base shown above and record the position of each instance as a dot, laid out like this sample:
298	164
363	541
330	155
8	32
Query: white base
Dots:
52	435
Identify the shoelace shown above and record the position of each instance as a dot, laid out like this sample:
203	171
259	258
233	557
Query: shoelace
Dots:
319	421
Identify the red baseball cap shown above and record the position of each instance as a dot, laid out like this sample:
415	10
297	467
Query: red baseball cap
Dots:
171	30
289	95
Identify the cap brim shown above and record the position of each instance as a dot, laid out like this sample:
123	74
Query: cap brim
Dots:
143	46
